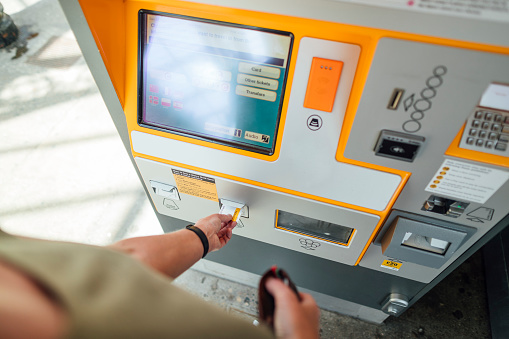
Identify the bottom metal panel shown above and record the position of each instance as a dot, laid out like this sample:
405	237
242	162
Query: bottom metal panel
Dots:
326	302
355	284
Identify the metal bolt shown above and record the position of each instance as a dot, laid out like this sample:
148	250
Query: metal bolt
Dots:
393	310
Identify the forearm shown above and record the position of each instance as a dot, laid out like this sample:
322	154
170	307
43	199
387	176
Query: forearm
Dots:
171	253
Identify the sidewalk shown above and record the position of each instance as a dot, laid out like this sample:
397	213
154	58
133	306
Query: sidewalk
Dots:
64	171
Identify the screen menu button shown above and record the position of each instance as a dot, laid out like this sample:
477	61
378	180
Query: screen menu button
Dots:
250	80
264	71
256	93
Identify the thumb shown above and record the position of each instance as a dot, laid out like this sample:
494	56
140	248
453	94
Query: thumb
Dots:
281	292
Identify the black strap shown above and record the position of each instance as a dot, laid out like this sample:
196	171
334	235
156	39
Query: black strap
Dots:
202	236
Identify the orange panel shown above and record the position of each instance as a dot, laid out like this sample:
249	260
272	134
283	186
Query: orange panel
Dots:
107	22
323	84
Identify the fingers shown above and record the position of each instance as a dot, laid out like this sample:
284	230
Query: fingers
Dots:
225	222
276	286
224	236
231	225
213	223
224	217
281	292
217	228
216	219
309	303
311	308
226	226
293	318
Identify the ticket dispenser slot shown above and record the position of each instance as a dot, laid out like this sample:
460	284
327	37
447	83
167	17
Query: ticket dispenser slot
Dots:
319	229
422	241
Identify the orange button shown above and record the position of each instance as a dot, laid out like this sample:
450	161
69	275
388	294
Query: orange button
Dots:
323	84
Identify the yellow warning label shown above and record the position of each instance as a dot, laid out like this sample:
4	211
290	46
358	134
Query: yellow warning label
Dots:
195	185
393	265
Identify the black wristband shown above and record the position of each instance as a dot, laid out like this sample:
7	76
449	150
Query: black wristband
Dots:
202	236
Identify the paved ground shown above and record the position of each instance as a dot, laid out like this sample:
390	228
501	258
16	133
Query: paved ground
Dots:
64	174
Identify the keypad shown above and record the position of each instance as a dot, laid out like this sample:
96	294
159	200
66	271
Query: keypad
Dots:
487	131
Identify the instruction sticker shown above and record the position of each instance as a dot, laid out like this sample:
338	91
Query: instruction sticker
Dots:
392	265
196	185
465	181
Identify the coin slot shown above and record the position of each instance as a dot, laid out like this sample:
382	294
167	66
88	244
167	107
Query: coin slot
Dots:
395	99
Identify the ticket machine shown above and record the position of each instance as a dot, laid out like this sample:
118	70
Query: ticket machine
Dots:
363	146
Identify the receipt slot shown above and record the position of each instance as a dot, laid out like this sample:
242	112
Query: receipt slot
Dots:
354	146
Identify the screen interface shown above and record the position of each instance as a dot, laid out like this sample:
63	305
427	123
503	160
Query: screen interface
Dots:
211	80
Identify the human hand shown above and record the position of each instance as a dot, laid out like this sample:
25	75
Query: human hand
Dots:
293	319
218	229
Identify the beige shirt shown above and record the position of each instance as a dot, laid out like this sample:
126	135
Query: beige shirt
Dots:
110	295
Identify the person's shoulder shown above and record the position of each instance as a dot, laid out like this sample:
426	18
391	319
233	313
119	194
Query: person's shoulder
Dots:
4	234
26	311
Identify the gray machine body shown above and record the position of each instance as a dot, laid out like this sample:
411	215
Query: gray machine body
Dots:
451	79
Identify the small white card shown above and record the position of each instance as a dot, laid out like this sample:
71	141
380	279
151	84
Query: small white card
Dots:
233	211
496	96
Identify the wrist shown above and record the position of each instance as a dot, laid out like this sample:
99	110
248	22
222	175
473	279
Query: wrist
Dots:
202	236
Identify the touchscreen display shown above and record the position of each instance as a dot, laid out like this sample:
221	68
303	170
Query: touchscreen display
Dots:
211	80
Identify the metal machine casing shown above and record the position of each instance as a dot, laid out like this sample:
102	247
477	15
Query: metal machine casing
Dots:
334	173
